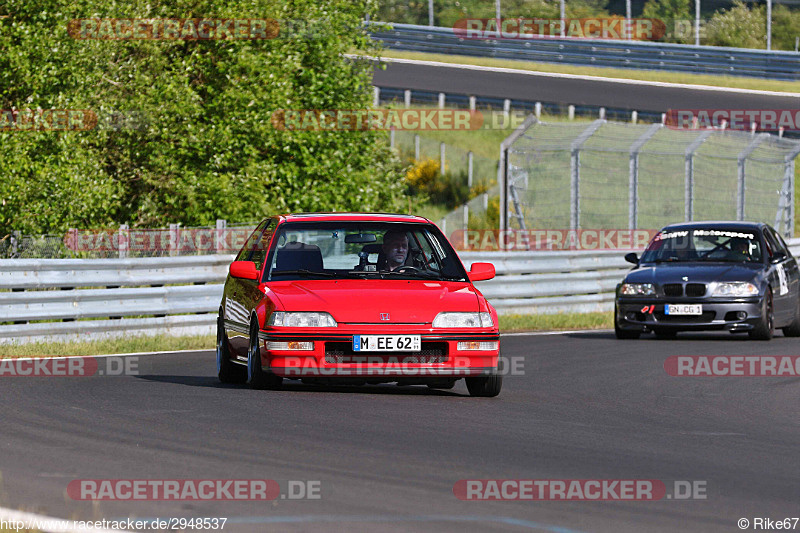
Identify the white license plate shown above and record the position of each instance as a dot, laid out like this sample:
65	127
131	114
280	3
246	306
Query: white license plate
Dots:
686	309
387	343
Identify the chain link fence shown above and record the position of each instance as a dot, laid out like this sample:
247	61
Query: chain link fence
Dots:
614	175
124	242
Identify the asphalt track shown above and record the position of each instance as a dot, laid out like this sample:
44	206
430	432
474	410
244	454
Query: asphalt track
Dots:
565	90
586	406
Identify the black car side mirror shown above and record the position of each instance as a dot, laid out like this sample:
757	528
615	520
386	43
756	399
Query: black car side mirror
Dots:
777	258
632	258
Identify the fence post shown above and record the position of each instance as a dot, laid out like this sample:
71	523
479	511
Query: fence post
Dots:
416	146
174	235
407	97
788	179
15	237
376	96
219	236
466	225
741	160
688	195
469	169
575	173
441	159
633	176
123	241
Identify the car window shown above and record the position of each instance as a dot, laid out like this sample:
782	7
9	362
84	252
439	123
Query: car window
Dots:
703	244
260	247
776	242
246	250
358	250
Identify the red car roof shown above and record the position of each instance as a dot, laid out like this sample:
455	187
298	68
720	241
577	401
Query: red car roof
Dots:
360	217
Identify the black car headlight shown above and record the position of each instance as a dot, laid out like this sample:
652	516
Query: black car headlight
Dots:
637	289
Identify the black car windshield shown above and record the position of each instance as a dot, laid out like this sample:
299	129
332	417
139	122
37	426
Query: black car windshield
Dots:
704	244
362	250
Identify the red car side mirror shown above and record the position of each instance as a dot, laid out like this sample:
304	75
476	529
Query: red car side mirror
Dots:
244	270
481	271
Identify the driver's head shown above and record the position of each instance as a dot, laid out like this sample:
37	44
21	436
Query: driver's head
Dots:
395	248
741	246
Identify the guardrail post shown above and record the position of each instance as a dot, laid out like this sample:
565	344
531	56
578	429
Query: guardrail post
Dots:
441	158
123	241
407	97
506	110
441	100
602	113
571	112
688	195
537	110
472	103
741	160
634	117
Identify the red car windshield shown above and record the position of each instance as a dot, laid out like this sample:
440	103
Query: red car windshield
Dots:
323	250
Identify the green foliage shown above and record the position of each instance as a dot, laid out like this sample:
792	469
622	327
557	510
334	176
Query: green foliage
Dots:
785	27
208	148
738	26
670	11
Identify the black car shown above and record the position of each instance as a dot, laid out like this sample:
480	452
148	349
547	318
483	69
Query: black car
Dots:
735	276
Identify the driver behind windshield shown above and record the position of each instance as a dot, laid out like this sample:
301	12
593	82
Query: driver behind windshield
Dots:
395	250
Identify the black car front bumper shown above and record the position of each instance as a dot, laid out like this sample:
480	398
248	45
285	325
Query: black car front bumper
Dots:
648	314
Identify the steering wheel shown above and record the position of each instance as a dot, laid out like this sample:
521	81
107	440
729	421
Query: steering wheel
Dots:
407	267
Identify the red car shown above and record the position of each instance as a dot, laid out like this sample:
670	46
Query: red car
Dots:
356	298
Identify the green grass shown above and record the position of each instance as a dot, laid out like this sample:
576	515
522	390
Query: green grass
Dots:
738	82
560	321
133	344
162	343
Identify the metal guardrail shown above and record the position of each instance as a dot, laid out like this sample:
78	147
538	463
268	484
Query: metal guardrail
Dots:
775	65
129	304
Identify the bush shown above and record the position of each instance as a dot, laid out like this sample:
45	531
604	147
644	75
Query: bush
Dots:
738	26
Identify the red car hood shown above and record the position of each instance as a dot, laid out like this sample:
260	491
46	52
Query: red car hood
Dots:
406	301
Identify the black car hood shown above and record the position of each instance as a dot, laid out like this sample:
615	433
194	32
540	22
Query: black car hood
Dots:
696	272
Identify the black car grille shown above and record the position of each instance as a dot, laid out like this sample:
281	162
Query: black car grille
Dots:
695	289
673	289
342	352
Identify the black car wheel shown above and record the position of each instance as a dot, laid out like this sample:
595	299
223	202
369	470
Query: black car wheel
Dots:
485	386
256	377
623	333
765	328
793	329
227	370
